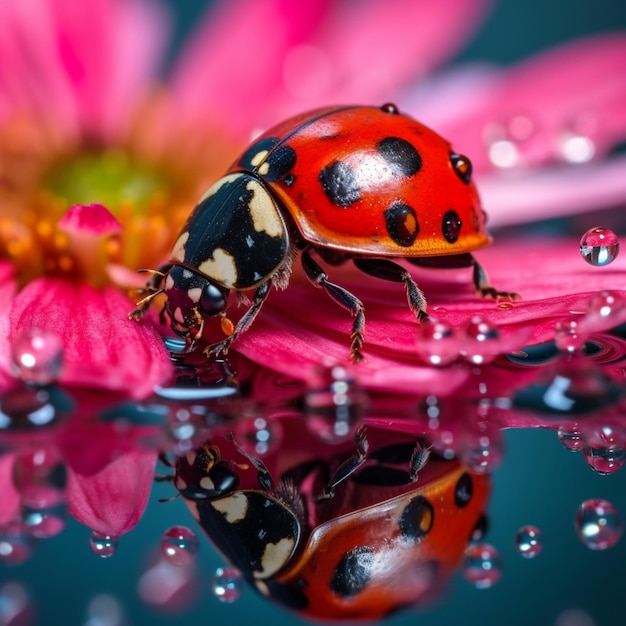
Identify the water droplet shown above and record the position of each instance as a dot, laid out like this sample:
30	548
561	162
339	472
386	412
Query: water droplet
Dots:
37	356
604	450
571	438
482	565
258	435
605	309
480	341
334	403
529	541
598	524
599	246
567	336
227	584
16	544
179	545
103	545
437	343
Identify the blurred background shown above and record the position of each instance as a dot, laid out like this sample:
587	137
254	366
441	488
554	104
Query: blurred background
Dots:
539	482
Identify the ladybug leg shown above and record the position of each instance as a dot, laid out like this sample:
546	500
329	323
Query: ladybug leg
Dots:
257	302
482	286
388	270
264	476
348	467
419	458
343	298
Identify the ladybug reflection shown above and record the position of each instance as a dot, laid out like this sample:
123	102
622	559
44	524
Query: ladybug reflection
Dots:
341	533
360	183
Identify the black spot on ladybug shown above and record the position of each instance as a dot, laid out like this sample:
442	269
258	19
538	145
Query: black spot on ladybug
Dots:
278	164
402	224
390	107
291	596
417	519
353	572
249	159
463	490
289	180
480	529
451	226
401	156
462	166
340	184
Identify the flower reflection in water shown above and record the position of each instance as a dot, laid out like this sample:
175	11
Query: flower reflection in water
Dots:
97	175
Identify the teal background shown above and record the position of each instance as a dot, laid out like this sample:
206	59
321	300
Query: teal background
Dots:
539	482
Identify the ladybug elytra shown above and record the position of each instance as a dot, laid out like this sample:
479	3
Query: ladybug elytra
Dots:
367	184
385	539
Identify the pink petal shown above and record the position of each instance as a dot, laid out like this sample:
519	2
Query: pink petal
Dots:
8	289
9	496
86	62
91	219
300	327
103	348
357	52
112	501
579	87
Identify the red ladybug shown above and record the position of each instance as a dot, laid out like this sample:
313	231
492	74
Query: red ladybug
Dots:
337	535
366	184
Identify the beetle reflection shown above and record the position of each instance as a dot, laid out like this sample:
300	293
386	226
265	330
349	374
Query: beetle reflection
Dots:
346	531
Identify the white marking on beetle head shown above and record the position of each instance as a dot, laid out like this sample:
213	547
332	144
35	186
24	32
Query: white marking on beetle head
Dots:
169	283
233	507
178	315
221	268
216	186
275	556
263	212
194	294
178	251
191	457
207	483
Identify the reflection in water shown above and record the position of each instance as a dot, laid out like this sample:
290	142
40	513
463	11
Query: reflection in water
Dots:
332	499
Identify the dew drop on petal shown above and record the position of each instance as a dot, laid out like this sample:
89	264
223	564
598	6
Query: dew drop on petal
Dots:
480	341
37	356
334	403
482	565
599	246
567	336
437	343
598	524
227	584
571	438
529	541
103	545
605	451
179	545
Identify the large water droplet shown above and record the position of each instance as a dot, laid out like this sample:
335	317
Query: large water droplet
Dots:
227	584
437	343
179	545
598	524
482	565
334	403
599	246
103	545
37	356
571	438
529	541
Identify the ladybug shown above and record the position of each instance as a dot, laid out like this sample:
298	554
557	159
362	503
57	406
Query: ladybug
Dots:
357	537
360	183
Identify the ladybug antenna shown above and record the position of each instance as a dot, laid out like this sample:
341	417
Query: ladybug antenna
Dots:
156	272
144	302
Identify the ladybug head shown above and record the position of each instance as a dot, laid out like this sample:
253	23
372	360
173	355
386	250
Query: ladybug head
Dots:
191	297
202	475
